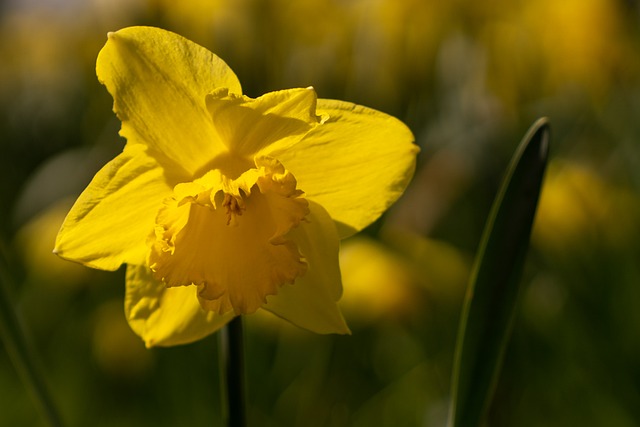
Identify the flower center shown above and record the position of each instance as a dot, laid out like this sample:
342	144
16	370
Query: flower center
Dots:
233	207
229	237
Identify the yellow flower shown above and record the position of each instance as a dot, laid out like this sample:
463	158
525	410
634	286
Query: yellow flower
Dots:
220	204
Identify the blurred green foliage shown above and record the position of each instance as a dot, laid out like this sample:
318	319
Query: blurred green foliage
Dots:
468	78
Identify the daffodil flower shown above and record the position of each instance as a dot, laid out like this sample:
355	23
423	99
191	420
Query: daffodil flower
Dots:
220	204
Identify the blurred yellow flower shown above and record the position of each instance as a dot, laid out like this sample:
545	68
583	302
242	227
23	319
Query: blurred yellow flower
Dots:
589	51
377	282
116	349
574	45
34	245
221	204
580	209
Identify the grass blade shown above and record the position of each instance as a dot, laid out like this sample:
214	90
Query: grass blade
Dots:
21	352
491	299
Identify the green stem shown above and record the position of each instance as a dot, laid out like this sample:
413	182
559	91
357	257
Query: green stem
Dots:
21	351
232	381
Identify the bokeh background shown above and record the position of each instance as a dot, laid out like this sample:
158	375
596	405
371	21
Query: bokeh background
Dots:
468	78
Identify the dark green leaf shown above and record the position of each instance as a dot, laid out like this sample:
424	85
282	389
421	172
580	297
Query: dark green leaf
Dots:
492	297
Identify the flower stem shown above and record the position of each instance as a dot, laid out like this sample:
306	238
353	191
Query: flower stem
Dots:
232	381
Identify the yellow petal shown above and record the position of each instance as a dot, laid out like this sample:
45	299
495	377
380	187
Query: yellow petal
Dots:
311	302
355	164
164	316
113	217
231	239
159	81
248	125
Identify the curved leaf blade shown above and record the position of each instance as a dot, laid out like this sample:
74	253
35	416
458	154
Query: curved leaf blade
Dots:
492	296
